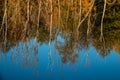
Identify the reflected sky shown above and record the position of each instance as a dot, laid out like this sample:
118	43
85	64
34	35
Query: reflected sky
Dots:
31	60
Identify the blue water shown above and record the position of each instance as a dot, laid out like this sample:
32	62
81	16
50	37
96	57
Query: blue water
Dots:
33	61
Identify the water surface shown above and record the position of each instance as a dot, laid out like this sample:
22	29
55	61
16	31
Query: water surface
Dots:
59	40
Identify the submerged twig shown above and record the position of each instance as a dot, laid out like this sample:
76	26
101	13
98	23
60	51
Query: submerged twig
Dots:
90	9
111	3
89	25
51	17
39	11
104	9
59	17
6	22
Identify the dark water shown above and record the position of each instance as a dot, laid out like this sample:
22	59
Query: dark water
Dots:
34	61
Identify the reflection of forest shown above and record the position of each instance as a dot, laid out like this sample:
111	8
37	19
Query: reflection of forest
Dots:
20	26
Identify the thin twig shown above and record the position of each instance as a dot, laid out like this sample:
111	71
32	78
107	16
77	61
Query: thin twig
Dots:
51	16
39	11
86	14
104	9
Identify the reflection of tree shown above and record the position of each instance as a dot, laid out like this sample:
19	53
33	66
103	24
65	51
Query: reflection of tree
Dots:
111	32
89	31
111	28
4	46
67	49
43	35
25	54
15	35
73	43
1	10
